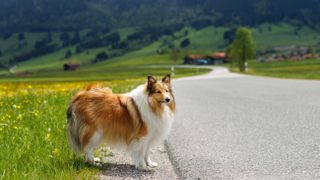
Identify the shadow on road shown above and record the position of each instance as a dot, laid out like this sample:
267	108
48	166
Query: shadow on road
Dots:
125	171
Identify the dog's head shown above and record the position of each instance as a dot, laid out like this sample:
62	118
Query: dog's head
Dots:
160	90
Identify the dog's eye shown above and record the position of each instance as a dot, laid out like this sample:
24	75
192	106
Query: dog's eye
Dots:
167	91
158	91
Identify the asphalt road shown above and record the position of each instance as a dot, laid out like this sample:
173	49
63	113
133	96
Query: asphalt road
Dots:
230	126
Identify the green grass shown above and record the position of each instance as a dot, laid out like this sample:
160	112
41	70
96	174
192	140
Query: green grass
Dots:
33	138
115	73
210	39
204	41
55	60
125	32
12	46
131	65
283	35
306	69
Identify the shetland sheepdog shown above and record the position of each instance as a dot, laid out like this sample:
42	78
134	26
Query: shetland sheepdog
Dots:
137	120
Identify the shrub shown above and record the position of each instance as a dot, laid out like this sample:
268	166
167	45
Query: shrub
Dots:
68	54
101	57
20	36
185	43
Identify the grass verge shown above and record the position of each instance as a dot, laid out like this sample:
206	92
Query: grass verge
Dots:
306	69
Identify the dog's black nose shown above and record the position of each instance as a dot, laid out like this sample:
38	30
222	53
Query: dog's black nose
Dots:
167	100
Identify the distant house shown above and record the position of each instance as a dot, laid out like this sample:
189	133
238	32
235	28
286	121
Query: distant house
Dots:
215	58
71	66
309	56
192	58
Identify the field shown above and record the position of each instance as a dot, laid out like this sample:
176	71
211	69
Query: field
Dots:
32	127
210	39
283	35
206	40
32	122
306	69
32	130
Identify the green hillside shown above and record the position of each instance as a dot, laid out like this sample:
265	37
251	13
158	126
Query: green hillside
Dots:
211	38
12	46
134	65
284	35
206	40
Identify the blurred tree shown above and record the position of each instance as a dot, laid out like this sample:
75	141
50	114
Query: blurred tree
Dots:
185	43
6	35
0	53
65	38
49	37
186	32
20	36
79	49
68	54
76	37
101	56
242	48
229	35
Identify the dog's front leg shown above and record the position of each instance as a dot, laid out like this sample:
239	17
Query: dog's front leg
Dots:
148	160
138	156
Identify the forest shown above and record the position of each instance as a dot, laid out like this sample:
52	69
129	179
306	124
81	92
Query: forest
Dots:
75	15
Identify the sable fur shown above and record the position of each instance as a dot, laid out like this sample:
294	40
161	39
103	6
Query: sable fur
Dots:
137	119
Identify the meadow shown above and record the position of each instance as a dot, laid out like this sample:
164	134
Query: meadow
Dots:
33	139
305	69
203	41
32	130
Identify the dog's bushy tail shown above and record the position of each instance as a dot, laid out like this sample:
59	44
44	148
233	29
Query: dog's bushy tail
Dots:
98	88
92	86
73	130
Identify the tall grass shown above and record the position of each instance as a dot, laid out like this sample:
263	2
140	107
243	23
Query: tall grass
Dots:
33	143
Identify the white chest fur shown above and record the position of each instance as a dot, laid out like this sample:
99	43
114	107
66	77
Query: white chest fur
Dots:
158	126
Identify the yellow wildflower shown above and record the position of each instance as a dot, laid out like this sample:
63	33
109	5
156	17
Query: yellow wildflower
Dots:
47	137
19	117
56	151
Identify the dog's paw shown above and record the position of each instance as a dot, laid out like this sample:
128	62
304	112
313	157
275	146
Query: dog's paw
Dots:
89	159
95	161
104	160
152	164
162	150
143	168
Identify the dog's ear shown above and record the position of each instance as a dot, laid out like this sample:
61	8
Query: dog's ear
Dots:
151	82
166	79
